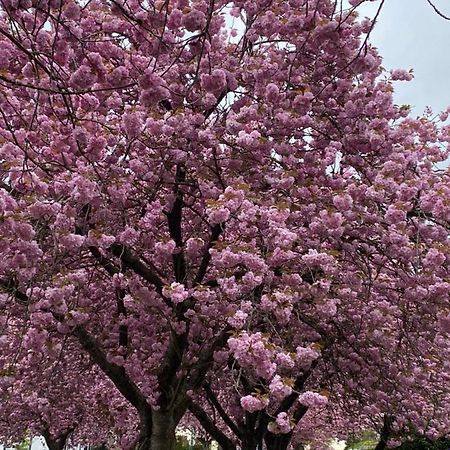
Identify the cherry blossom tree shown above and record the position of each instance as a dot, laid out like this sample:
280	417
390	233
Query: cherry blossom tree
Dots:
219	206
56	392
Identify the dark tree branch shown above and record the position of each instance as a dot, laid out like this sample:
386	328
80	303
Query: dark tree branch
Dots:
175	217
132	261
112	270
171	363
210	427
385	432
288	402
115	373
209	111
106	263
10	286
437	11
206	360
225	417
216	230
57	443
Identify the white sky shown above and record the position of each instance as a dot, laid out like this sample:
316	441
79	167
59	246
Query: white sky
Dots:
410	35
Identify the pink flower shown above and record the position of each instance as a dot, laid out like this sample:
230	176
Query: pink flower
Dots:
71	11
71	242
444	324
343	202
401	75
174	19
272	92
433	259
165	249
151	96
284	361
218	215
194	20
216	82
306	355
238	320
313	399
395	215
281	424
251	404
278	389
83	77
118	76
132	124
176	292
149	79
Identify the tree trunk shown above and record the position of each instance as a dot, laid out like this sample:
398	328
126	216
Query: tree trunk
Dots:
385	432
143	443
163	431
249	443
55	443
145	427
278	441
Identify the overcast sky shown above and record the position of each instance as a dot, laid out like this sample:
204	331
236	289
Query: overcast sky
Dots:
410	35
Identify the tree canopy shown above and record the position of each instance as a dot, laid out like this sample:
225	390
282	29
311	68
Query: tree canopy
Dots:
212	213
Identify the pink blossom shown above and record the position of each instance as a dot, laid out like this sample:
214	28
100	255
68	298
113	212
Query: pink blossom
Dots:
118	76
278	389
272	92
215	82
176	292
313	399
281	425
194	20
343	202
433	259
306	355
83	77
238	320
132	124
218	215
71	11
174	19
444	324
71	241
251	403
401	75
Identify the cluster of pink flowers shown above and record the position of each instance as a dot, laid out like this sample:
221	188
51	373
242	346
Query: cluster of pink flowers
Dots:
278	389
253	403
281	425
313	399
176	292
216	82
252	352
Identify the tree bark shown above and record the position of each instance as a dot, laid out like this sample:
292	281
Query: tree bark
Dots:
210	427
163	431
143	443
145	430
278	441
249	443
385	432
55	443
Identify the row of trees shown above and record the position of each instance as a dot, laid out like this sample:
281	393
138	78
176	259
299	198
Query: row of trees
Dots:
213	214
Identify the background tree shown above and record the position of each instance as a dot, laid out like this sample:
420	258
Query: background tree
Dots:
50	389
